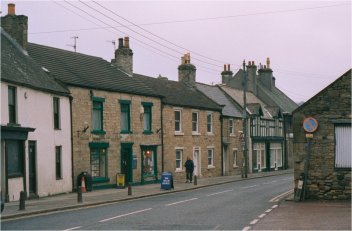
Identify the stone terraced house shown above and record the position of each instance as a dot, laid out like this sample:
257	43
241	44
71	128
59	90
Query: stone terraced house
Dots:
324	155
191	124
116	119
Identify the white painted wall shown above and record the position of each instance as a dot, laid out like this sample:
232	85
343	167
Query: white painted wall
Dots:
35	110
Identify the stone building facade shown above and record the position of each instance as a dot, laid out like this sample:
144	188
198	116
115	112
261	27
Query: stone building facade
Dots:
326	161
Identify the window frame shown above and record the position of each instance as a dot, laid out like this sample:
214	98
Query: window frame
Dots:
18	160
179	122
125	104
210	150
147	109
56	113
210	129
231	127
100	109
58	162
180	168
12	108
234	156
195	130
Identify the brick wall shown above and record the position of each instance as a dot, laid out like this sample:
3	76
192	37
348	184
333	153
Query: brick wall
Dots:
324	180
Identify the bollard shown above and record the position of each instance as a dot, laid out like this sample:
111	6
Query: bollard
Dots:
79	195
129	190
23	196
195	180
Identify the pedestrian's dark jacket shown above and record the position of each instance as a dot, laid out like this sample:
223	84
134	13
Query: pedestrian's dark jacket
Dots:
189	165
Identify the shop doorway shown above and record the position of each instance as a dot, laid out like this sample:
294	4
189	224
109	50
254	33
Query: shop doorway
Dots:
126	162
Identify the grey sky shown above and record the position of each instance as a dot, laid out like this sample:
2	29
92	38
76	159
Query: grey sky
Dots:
308	42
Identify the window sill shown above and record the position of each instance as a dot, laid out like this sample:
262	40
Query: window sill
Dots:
148	132
196	134
178	171
211	166
210	134
179	133
98	132
235	166
57	129
232	135
126	132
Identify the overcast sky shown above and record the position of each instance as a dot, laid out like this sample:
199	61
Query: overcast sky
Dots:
308	42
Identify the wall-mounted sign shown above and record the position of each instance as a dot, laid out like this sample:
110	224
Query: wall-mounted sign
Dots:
310	124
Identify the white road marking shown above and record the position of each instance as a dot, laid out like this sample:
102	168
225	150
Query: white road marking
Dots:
277	198
181	201
254	221
246	228
73	228
220	192
270	182
250	186
127	214
274	206
216	227
262	215
268	211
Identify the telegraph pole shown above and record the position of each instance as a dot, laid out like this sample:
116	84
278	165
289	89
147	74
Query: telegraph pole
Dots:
75	43
245	120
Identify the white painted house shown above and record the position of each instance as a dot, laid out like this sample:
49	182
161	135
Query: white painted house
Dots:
36	149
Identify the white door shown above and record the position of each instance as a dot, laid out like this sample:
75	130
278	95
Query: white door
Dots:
196	161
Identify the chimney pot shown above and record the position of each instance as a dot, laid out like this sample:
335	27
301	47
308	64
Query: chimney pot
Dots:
127	42
120	42
11	9
228	67
224	67
268	62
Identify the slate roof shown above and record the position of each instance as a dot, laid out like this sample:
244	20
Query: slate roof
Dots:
231	108
179	94
20	69
278	97
87	71
237	95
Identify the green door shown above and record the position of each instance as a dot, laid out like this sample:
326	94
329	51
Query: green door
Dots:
126	162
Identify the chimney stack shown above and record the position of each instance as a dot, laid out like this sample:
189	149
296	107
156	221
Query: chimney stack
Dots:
252	77
266	75
187	71
124	56
227	74
16	26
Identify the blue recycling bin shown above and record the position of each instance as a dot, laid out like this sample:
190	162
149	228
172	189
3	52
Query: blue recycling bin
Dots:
167	182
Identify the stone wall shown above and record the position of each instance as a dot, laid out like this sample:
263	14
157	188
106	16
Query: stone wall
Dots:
324	180
82	116
187	142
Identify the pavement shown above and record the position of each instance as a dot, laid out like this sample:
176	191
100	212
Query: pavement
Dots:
287	215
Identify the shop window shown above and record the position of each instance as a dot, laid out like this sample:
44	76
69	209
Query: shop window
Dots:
148	163
98	162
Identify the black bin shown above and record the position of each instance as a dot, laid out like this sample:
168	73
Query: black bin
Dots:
87	180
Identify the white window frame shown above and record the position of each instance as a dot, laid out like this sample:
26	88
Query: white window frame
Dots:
275	155
195	132
211	149
259	148
235	156
210	123
343	145
180	168
178	132
232	127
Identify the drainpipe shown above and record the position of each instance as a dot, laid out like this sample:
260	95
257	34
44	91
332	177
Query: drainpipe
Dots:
162	136
222	145
71	124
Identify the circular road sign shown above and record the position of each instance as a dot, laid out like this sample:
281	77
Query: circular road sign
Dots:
310	124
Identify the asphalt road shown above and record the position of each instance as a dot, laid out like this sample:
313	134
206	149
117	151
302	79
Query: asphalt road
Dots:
231	206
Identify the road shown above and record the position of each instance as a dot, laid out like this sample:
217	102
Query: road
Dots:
223	207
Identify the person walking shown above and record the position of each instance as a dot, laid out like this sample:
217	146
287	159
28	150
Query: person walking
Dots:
189	169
